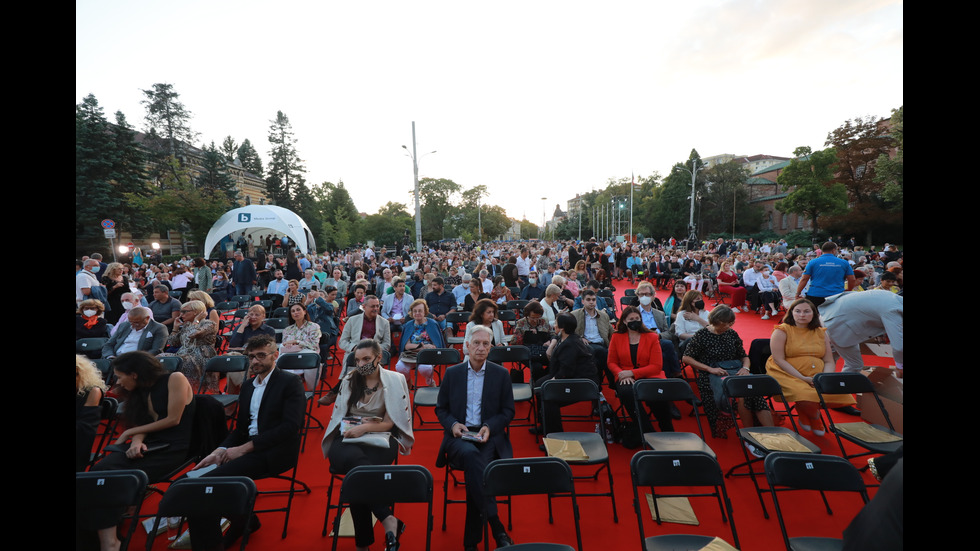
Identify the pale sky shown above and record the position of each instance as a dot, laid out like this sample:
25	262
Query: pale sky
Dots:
532	99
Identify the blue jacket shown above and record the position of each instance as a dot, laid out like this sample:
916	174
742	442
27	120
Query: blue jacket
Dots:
431	327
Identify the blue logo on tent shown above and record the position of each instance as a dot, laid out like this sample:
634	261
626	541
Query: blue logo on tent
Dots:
244	217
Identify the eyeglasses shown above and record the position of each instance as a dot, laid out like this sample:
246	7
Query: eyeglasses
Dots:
258	356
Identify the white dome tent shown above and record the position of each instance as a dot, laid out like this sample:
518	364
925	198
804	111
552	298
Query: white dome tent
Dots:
257	220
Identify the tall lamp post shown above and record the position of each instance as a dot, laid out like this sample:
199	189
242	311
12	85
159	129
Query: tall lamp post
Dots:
692	233
418	209
544	218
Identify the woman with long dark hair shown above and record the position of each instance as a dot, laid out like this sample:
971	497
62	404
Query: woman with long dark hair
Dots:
372	402
634	354
159	415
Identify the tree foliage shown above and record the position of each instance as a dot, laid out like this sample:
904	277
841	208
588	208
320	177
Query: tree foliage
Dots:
891	171
529	230
725	197
340	221
286	169
214	178
809	179
167	119
858	144
436	197
108	165
229	149
250	158
389	224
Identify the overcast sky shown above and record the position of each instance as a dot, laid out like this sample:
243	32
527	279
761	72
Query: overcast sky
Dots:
532	99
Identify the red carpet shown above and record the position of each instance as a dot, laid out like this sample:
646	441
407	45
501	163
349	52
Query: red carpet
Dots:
804	511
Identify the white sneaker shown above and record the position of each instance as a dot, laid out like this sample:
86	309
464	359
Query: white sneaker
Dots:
765	316
752	449
745	308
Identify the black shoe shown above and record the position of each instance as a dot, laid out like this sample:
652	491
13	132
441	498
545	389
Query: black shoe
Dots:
392	538
674	412
503	540
850	410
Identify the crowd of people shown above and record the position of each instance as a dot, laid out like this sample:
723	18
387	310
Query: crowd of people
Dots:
376	305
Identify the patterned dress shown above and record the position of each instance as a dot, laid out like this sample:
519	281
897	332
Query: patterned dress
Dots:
709	348
196	341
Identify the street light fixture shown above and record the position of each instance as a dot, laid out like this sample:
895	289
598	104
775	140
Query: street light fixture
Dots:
418	211
692	233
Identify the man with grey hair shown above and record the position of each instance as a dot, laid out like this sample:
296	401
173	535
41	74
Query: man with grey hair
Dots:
140	332
475	405
129	301
460	291
788	285
85	280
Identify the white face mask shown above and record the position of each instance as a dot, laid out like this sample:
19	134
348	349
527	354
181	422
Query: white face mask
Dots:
532	281
90	313
645	301
127	305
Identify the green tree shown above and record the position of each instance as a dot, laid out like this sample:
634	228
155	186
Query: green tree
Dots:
341	222
667	210
285	166
167	119
812	191
250	158
178	203
229	148
726	197
108	163
388	226
529	230
891	171
214	178
859	143
436	198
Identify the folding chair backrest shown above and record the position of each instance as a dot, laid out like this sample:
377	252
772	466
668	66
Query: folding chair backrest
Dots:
277	323
630	292
510	353
808	471
438	356
229	363
208	496
506	315
242	299
298	360
677	468
527	476
281	312
842	383
748	386
517	304
570	390
629	301
171	363
109	489
370	484
91	347
662	390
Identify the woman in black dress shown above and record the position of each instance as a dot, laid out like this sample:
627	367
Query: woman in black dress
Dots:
718	342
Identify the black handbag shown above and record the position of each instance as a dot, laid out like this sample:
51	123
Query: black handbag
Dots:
717	388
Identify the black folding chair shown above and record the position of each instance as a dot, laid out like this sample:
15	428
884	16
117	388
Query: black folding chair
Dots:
659	469
668	390
748	386
221	496
570	391
371	484
90	347
109	491
531	476
873	438
426	396
303	361
521	357
824	473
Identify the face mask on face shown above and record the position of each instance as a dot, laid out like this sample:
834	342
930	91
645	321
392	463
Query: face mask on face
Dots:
127	306
532	281
645	301
89	313
699	304
634	325
366	369
95	269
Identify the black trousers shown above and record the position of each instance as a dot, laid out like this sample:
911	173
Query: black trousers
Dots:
473	459
344	457
660	410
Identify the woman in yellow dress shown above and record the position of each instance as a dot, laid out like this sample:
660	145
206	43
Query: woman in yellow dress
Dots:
800	350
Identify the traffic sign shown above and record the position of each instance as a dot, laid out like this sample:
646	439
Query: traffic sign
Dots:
108	224
109	234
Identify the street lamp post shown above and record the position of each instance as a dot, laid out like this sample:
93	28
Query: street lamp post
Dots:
418	209
692	233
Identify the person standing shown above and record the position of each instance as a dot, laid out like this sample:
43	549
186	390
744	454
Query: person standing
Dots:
243	274
827	275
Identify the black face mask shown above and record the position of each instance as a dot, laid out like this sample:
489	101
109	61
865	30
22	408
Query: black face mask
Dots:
699	304
634	325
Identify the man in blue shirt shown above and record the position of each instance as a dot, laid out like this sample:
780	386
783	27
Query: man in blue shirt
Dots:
440	302
243	274
277	287
827	275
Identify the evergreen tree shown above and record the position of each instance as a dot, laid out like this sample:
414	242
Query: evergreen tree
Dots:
285	167
250	158
167	120
214	178
229	148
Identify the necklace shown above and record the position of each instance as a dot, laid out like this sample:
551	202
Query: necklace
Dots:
369	391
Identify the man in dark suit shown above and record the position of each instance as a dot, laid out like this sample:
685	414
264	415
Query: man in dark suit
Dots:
139	333
475	405
262	445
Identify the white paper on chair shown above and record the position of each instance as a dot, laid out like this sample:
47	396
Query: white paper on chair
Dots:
347	524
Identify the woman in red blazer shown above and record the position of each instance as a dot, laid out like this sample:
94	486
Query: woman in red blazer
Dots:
634	353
